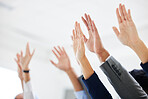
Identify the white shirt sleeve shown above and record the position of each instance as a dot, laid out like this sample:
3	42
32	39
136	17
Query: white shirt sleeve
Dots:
81	94
28	93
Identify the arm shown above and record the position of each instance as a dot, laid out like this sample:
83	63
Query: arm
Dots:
117	75
128	34
64	65
122	81
24	63
79	51
20	72
93	84
94	43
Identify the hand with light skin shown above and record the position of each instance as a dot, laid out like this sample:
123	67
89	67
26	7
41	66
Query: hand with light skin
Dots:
77	38
64	65
20	71
79	50
25	60
75	42
94	43
128	34
63	59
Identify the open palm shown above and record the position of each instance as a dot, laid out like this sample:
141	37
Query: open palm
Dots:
25	60
128	34
63	59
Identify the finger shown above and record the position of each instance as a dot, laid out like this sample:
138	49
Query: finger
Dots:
121	12
96	34
19	67
60	49
116	31
76	31
118	16
94	26
90	23
27	49
80	30
86	16
125	13
21	53
74	34
18	57
53	63
57	51
55	54
33	53
16	60
64	50
85	39
129	14
86	24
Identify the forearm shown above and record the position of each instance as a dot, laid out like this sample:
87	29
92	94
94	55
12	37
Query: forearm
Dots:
103	56
121	80
74	79
22	84
26	77
86	67
141	50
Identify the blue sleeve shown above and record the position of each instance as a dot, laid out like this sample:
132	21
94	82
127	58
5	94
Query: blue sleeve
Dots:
81	95
145	67
95	88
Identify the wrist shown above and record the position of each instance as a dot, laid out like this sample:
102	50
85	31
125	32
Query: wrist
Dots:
135	44
103	55
69	71
26	69
81	59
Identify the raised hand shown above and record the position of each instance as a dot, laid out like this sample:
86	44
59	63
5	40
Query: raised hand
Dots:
128	33
25	60
63	59
78	42
94	43
20	72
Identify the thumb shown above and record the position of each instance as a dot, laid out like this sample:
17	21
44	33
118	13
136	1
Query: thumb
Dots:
116	31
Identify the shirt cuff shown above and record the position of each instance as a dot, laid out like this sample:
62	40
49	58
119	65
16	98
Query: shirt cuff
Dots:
80	94
27	86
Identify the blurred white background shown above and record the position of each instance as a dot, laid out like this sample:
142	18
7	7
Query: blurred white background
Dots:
48	23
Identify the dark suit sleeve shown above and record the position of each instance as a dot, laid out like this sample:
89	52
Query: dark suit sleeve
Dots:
95	88
145	67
